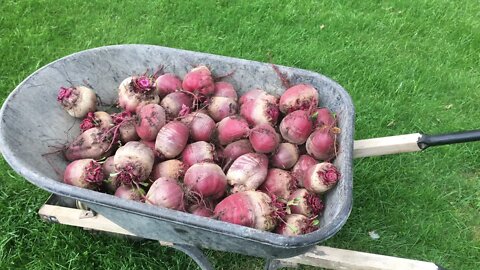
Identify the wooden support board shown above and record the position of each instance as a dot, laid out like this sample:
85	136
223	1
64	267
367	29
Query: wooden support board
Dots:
386	145
319	256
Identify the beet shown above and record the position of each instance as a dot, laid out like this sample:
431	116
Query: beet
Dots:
232	128
199	80
306	203
301	167
150	119
77	101
321	177
296	127
298	97
264	138
198	152
207	180
285	156
166	193
171	139
167	83
137	91
201	126
279	183
321	144
84	173
248	172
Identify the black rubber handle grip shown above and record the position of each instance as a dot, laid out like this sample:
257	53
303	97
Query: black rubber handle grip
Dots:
450	138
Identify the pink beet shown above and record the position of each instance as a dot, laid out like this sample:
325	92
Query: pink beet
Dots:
206	179
201	209
301	167
235	149
77	101
167	83
171	139
150	119
296	224
301	201
130	193
279	183
166	193
264	138
231	129
285	156
96	119
173	169
263	109
296	127
323	117
199	80
94	143
198	152
84	173
108	168
298	97
221	107
201	126
125	122
133	163
225	89
321	144
137	91
253	209
321	177
248	172
177	104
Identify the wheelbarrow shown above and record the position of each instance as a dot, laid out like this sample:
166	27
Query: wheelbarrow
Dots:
32	122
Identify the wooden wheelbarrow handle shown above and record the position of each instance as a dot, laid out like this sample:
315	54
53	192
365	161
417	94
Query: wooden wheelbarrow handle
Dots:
409	143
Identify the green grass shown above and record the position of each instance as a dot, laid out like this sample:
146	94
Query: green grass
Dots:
409	66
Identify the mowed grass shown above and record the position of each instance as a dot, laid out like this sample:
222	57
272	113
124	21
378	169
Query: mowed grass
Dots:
410	66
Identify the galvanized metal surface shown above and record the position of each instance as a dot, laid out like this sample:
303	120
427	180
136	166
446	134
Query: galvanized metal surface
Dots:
32	122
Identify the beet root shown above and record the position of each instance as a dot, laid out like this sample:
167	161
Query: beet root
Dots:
225	89
171	139
301	201
77	101
84	173
279	183
296	224
177	104
248	172
166	193
130	193
296	127
172	169
96	119
221	107
285	156
198	152
321	144
323	117
150	119
137	91
252	209
201	126
167	83
133	163
232	128
298	97
301	167
264	138
206	179
263	109
199	80
94	143
321	177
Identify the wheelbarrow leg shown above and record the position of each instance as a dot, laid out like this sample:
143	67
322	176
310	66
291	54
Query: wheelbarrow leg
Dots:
274	264
193	252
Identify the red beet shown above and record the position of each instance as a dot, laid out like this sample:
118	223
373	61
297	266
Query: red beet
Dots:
167	193
133	163
321	144
201	126
321	177
296	127
84	173
171	139
296	224
323	117
279	183
77	101
198	152
94	143
221	107
225	89
199	80
259	108
125	121
200	210
231	129
130	193
175	102
301	201
206	179
253	209
172	169
137	91
235	149
251	95
298	97
264	138
108	168
96	119
167	83
285	156
301	167
248	172
151	118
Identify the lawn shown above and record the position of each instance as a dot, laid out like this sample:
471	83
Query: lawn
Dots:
410	66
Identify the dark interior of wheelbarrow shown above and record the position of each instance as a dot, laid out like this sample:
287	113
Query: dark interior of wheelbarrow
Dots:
33	125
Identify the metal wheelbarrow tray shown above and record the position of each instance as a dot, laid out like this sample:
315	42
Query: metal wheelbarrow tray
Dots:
33	122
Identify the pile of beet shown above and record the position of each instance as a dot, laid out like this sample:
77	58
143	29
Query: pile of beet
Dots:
193	145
